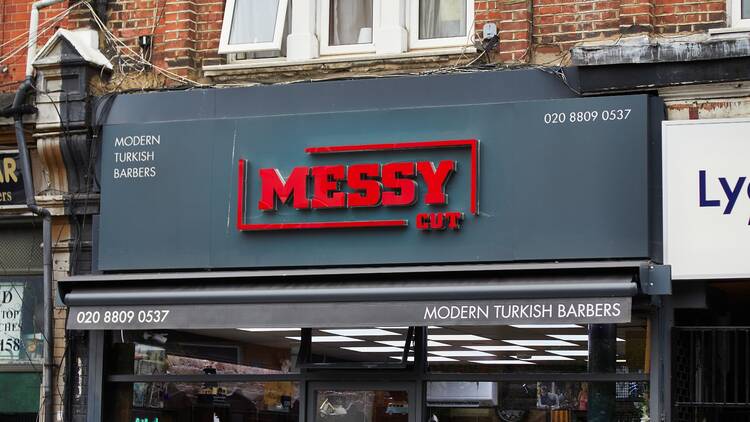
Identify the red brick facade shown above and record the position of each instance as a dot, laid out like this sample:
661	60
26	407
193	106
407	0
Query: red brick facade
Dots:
186	32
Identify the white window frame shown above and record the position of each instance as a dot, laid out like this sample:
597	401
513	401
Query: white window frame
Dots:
735	13
413	28
226	28
324	22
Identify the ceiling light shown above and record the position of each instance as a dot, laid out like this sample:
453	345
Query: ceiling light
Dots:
545	326
503	362
621	361
460	353
429	359
374	349
574	337
539	343
393	328
268	330
400	343
569	352
543	357
570	337
361	332
499	348
456	337
328	339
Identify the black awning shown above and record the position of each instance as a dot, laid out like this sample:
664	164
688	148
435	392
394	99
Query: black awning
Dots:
454	301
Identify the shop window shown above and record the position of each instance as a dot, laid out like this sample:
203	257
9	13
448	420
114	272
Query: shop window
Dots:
563	401
372	347
21	318
347	26
440	23
253	25
740	13
361	405
214	352
557	348
172	401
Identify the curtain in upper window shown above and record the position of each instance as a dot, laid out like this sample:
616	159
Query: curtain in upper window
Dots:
350	22
442	18
253	21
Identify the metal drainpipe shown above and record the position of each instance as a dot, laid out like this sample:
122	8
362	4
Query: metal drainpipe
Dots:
28	185
18	109
33	33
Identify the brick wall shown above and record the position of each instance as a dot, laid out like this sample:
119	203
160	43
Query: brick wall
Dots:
186	32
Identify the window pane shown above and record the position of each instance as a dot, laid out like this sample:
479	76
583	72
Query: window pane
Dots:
198	352
536	401
350	22
207	402
253	21
359	345
745	9
442	18
537	348
361	406
21	320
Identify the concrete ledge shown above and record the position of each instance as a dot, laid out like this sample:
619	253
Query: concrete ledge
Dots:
662	51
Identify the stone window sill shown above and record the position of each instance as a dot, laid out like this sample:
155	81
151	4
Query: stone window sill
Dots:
731	30
215	70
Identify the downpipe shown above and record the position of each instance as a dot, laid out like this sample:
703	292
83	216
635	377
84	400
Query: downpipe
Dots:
18	109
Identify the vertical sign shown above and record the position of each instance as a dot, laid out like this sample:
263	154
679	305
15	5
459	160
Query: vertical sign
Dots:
706	198
11	181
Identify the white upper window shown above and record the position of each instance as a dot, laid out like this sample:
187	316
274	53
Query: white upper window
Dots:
440	23
347	26
344	26
740	13
252	25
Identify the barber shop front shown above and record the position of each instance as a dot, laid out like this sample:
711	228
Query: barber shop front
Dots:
387	250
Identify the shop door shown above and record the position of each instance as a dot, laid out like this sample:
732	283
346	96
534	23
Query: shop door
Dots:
361	402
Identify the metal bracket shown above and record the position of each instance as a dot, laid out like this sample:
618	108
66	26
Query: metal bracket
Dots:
656	279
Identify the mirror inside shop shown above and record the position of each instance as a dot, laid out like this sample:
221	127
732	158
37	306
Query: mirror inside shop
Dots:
519	373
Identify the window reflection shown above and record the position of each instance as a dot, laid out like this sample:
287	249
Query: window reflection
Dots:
224	352
213	402
535	401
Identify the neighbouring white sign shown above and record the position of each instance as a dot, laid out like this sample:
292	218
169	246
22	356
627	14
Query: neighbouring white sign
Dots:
11	300
706	198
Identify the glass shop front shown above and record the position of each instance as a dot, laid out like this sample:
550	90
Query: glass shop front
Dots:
494	373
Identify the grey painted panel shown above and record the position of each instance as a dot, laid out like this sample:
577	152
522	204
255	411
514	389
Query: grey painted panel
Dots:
353	314
547	191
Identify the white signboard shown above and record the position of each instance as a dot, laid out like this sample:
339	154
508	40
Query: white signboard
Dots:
11	300
706	187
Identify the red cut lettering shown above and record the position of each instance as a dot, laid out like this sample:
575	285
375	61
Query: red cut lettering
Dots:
423	221
327	187
367	191
274	186
435	180
398	178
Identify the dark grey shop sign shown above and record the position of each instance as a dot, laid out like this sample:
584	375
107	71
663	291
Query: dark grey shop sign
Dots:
525	181
352	314
11	181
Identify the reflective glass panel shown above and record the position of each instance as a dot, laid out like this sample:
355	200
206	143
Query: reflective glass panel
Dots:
361	406
442	18
229	351
539	348
532	401
350	22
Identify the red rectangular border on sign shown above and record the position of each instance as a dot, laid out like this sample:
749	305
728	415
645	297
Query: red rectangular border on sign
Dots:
473	144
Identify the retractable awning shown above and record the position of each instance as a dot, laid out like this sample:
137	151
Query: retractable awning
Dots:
445	301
